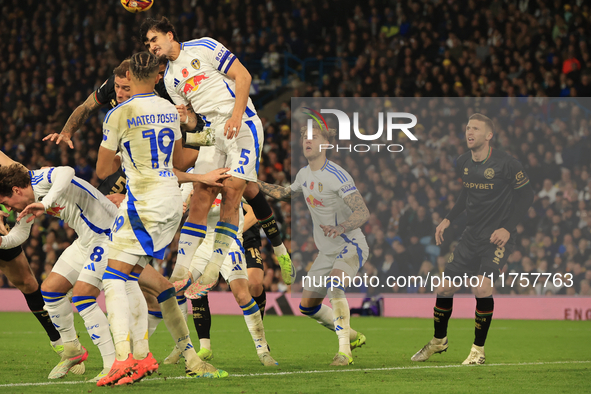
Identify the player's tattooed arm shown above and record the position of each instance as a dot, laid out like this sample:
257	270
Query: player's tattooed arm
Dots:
75	121
360	213
276	191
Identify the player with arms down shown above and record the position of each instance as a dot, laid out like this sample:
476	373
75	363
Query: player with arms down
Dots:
496	194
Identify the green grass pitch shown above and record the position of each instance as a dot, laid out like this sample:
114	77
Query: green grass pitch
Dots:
522	356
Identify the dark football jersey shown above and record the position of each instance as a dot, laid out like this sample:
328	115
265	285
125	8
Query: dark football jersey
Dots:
114	183
489	184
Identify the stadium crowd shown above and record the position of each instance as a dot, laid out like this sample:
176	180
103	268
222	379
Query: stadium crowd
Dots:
57	53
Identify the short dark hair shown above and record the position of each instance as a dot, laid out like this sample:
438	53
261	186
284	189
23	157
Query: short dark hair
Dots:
487	121
11	176
122	69
144	65
163	26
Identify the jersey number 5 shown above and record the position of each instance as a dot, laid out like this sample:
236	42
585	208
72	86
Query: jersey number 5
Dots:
156	143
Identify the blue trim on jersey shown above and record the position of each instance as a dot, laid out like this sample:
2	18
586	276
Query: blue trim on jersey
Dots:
49	174
223	60
200	42
117	107
229	64
240	246
128	149
76	183
92	226
166	70
329	164
249	112
255	136
335	173
143	95
138	227
35	179
359	251
230	90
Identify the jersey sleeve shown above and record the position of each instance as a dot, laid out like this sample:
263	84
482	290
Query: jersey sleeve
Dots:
296	186
214	52
101	95
18	235
59	178
111	130
41	180
345	184
517	174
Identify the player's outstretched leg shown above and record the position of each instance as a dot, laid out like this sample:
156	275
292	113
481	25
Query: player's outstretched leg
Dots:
441	315
264	214
202	320
253	319
225	236
323	314
60	311
173	318
483	318
341	318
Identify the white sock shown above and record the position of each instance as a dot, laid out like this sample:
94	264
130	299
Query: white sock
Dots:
191	237
280	250
252	316
60	311
98	327
177	326
182	301
341	315
138	319
325	317
225	236
154	318
205	343
118	313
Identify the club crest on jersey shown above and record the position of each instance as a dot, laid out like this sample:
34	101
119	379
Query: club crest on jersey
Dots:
193	83
466	171
320	187
519	176
489	173
196	64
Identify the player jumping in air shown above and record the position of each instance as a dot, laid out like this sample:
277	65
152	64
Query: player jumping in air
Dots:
338	211
496	194
58	192
204	74
146	130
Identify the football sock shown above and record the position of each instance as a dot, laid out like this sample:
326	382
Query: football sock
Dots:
36	304
60	311
138	318
118	310
341	315
202	318
225	236
441	315
173	318
262	211
254	322
323	315
154	318
98	327
261	301
484	312
182	301
191	237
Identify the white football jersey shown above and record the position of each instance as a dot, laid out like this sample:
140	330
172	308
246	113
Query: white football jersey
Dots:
71	199
144	129
198	77
324	191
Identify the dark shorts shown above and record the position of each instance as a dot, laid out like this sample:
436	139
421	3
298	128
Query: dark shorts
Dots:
475	259
10	254
253	258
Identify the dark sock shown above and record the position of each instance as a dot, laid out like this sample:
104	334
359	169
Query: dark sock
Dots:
261	301
441	315
202	317
262	211
484	312
36	304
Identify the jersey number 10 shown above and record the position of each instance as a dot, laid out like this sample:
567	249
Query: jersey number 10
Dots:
156	143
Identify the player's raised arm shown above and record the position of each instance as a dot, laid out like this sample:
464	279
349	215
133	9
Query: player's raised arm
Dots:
18	235
5	160
75	121
277	192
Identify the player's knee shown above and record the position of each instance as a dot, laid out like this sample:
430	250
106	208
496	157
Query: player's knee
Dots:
27	285
255	289
482	292
166	295
242	297
252	189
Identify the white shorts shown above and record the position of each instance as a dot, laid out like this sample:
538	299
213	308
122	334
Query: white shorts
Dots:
234	266
349	260
86	263
241	154
146	227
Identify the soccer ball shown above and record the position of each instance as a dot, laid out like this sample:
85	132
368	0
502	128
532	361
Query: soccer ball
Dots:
137	5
